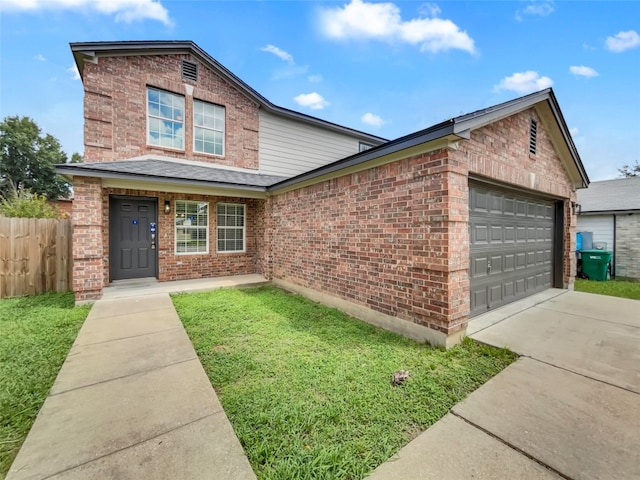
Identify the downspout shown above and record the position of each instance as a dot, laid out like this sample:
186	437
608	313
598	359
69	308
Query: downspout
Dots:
613	262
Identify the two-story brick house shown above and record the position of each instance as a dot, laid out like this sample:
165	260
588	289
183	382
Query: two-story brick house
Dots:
190	173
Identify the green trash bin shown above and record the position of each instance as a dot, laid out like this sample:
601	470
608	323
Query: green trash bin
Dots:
595	263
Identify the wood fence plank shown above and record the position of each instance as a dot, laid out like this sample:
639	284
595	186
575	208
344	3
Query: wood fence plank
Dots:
35	256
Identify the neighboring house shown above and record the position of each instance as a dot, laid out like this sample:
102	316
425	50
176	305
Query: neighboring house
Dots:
190	173
611	211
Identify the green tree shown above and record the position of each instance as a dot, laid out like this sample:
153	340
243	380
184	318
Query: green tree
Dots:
29	159
630	170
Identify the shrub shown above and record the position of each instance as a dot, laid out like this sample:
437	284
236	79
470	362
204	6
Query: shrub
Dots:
24	204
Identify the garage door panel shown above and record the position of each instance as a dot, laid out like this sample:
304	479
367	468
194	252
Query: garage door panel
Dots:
496	233
511	244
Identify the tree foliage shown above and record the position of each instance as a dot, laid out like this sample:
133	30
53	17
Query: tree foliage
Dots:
24	204
29	159
630	170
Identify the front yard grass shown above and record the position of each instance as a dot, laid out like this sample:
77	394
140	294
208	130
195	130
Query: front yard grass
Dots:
615	288
308	389
36	334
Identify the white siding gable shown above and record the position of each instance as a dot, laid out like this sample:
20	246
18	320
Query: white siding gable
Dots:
289	148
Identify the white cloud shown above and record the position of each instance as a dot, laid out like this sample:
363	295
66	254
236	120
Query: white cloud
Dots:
583	71
622	41
124	10
539	8
315	78
372	119
429	10
281	54
574	131
40	58
314	101
382	21
73	70
524	82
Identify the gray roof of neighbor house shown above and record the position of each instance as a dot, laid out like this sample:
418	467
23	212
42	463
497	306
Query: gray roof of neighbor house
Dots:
87	51
619	195
172	171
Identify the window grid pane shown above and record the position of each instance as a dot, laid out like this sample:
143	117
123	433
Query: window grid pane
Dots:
230	227
192	227
208	130
165	119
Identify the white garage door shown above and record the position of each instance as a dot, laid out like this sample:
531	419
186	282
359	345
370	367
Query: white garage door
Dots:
511	246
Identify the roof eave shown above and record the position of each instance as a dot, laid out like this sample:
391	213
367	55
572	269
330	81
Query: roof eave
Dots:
70	171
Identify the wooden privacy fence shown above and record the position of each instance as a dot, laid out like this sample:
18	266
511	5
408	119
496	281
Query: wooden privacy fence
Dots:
35	256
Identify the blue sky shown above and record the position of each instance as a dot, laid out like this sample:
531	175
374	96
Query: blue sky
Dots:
388	68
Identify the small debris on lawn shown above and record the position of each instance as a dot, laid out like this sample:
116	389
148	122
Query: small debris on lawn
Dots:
399	377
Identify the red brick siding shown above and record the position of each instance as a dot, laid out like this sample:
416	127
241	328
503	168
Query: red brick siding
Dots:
115	110
379	238
88	260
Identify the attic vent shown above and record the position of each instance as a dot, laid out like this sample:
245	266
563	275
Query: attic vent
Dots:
190	70
533	137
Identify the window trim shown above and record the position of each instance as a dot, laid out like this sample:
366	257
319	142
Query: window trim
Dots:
244	228
224	132
184	120
175	227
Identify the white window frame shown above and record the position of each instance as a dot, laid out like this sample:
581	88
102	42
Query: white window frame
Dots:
211	129
163	119
196	228
232	227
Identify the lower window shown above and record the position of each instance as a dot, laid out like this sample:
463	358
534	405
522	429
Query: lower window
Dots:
231	227
192	227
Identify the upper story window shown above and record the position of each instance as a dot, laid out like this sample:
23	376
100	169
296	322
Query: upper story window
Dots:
208	128
165	119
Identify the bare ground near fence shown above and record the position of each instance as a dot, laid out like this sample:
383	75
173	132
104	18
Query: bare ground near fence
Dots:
35	256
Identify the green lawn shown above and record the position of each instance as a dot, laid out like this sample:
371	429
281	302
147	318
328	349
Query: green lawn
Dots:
36	334
615	288
308	389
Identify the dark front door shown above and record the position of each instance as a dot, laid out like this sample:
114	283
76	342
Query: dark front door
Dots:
511	241
132	237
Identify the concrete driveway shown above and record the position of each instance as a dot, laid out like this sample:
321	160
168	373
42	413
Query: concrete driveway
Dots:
568	408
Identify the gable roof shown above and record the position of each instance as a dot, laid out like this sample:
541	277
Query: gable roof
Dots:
448	131
619	195
460	127
88	51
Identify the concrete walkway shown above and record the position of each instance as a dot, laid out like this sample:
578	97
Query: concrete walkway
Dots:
569	408
132	401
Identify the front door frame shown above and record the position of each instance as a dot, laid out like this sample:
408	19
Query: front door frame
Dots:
112	216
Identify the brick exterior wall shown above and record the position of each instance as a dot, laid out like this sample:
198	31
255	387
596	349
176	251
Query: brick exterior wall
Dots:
628	246
378	238
115	110
88	241
395	238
